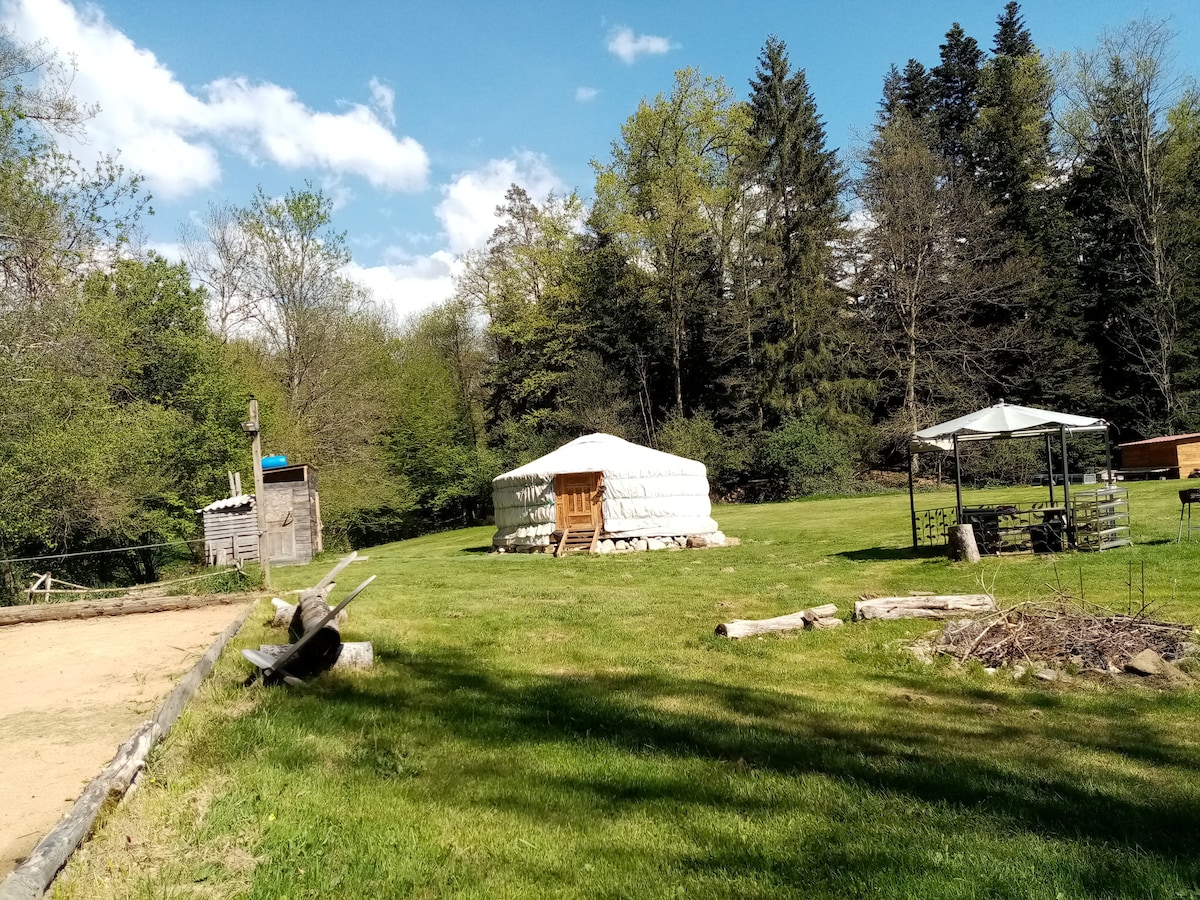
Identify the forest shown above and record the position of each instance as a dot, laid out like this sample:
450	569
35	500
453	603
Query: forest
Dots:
731	289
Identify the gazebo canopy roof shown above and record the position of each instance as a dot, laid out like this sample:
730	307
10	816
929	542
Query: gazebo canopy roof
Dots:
1001	421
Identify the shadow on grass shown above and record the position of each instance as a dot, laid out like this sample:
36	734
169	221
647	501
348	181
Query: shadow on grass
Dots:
487	548
881	554
971	761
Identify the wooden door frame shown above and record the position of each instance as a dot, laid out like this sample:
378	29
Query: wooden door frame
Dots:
597	501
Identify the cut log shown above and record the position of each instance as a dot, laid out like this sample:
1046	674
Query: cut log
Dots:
828	622
935	607
962	544
740	628
283	612
353	655
312	607
124	606
322	648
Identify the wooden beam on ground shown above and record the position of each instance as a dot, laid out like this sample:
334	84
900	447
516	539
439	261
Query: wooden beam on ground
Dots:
807	618
31	879
336	570
923	607
121	606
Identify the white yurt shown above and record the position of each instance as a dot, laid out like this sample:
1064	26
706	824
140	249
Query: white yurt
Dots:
604	487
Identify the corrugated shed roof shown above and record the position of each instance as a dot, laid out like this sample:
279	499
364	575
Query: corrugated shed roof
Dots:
1164	439
229	503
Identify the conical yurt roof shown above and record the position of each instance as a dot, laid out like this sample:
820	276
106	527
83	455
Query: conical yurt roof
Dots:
604	453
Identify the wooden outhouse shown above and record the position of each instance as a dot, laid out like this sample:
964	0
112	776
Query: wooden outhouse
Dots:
293	521
293	514
1169	456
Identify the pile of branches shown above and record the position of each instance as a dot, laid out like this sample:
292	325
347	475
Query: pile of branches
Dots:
1068	632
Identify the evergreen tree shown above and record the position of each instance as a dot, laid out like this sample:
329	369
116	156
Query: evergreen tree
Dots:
798	342
954	84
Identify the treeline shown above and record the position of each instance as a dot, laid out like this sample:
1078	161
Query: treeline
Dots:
1016	228
738	291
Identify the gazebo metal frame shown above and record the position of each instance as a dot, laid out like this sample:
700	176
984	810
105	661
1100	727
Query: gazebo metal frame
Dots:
1005	422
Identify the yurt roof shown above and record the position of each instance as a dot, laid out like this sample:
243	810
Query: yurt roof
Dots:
605	453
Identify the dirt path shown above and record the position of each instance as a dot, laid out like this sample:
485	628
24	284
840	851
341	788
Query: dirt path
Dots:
70	693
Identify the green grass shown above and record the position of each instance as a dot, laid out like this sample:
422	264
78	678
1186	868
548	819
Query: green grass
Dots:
537	727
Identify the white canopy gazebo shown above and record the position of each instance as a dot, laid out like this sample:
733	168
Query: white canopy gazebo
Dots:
1004	421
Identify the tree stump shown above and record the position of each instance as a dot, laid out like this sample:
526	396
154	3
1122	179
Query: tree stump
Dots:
962	543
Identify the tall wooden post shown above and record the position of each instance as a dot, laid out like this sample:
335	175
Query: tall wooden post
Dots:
1062	434
1050	467
260	499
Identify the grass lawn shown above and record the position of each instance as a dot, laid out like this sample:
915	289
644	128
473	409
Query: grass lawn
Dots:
537	727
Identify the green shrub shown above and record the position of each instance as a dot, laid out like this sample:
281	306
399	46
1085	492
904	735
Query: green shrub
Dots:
699	438
804	456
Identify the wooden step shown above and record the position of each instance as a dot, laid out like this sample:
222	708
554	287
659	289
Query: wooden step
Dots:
578	539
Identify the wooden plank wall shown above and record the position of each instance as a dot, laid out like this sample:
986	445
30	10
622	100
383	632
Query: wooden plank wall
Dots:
225	528
1150	456
1189	457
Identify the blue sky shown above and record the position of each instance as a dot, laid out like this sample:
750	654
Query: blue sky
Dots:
416	117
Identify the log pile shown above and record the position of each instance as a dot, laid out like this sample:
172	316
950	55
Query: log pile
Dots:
819	617
1066	633
922	606
316	637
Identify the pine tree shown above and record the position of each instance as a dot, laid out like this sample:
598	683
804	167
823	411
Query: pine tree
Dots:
954	83
799	180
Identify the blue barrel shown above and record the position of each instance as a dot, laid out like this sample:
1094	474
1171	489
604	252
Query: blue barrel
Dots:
274	462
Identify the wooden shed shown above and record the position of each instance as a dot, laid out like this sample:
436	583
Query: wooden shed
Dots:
293	521
1169	456
293	514
230	530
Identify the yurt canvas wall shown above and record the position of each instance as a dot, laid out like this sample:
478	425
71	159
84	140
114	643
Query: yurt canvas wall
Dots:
643	492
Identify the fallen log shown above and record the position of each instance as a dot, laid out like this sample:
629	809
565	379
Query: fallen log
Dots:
353	655
121	606
807	618
923	607
312	618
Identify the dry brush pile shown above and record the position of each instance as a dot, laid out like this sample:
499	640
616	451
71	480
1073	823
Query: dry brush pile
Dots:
1064	633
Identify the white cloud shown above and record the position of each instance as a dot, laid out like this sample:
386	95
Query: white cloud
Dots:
172	136
586	94
409	284
468	208
627	46
383	98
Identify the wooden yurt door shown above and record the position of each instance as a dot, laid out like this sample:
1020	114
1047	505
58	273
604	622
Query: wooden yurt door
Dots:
577	501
